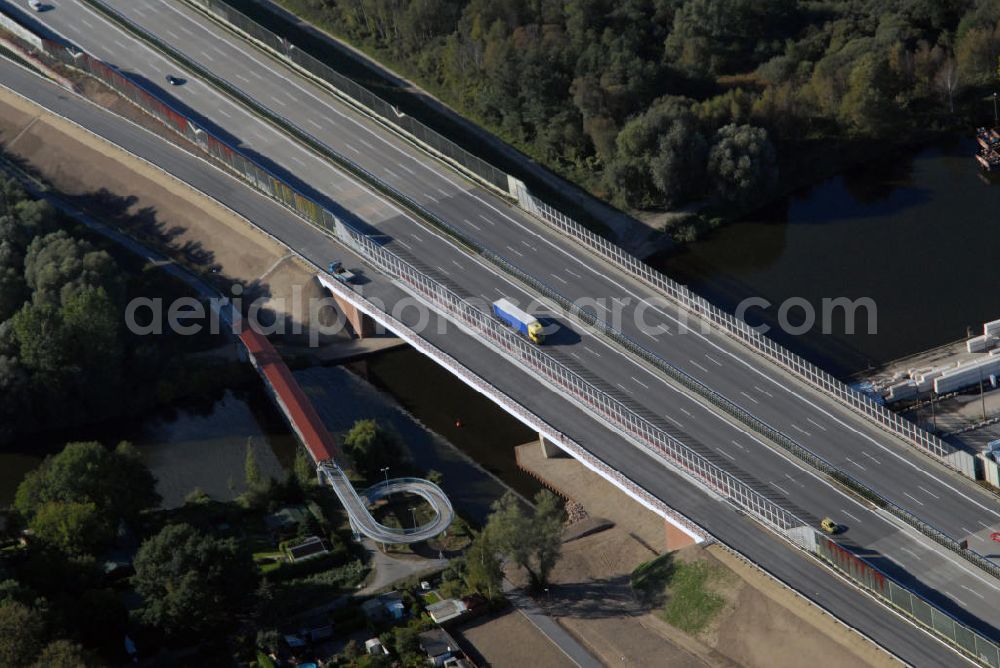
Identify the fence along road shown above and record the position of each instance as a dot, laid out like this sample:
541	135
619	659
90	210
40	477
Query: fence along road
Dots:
472	164
294	199
754	544
844	438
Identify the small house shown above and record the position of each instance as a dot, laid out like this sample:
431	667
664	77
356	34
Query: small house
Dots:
375	646
285	522
438	645
446	610
310	547
385	607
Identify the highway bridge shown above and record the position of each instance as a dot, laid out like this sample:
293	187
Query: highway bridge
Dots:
884	463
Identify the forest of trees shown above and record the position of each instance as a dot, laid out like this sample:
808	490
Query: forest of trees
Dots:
658	103
66	357
57	607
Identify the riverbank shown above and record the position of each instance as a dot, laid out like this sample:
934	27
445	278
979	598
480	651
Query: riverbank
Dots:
876	233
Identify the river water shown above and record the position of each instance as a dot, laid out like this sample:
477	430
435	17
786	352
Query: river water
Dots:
196	445
914	231
203	445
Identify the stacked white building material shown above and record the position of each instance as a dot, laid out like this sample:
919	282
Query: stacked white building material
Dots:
925	380
966	375
905	390
981	343
992	328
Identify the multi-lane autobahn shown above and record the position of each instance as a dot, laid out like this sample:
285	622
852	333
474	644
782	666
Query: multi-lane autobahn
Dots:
880	461
758	545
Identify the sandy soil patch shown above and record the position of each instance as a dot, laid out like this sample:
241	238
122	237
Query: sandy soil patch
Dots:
510	641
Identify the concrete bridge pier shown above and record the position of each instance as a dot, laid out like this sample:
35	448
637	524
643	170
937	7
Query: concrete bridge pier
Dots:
549	449
362	324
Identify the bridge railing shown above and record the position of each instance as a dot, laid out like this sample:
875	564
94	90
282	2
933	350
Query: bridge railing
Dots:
362	519
746	334
729	323
909	603
356	94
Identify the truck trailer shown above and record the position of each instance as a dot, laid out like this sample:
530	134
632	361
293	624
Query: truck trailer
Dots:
517	319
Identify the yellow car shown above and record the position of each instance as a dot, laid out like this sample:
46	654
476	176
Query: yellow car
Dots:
829	526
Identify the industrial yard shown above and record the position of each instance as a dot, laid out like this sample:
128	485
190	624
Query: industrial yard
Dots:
952	391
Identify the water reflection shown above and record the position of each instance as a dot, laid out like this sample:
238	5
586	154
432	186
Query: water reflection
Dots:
206	448
915	232
342	397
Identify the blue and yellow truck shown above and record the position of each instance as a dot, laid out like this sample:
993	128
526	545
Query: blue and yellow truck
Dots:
517	319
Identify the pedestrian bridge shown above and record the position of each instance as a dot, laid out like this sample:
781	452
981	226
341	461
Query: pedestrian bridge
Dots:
309	427
364	523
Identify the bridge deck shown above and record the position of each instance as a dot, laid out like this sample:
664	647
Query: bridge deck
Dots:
301	413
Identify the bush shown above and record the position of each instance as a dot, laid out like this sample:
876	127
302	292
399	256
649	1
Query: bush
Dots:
291	570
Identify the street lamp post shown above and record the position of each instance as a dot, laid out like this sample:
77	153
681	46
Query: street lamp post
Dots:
385	472
413	513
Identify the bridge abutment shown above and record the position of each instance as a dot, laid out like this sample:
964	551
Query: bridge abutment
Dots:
676	539
362	324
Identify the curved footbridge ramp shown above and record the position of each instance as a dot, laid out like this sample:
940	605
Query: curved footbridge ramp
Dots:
305	421
362	521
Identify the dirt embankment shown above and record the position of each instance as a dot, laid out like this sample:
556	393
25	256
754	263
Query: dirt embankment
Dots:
761	623
153	207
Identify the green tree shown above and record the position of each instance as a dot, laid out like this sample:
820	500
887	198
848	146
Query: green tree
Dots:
61	345
62	654
371	447
304	469
533	542
21	220
741	164
251	470
76	529
481	566
192	583
976	54
43	344
660	156
57	266
678	166
868	105
21	633
115	481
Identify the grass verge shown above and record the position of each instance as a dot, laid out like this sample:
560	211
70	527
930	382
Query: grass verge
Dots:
682	590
